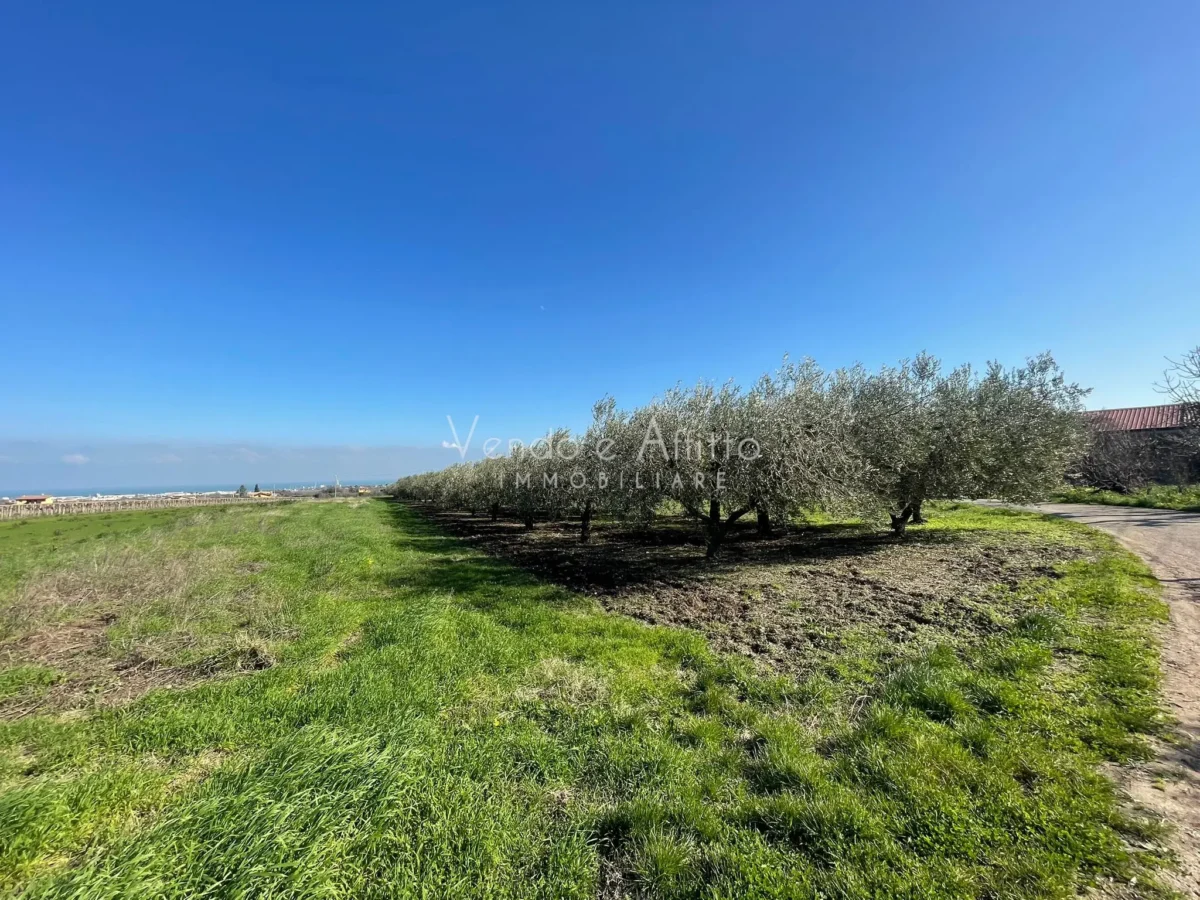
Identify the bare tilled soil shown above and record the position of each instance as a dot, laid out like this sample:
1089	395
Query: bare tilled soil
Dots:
790	602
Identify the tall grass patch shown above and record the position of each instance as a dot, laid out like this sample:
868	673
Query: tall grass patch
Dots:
435	722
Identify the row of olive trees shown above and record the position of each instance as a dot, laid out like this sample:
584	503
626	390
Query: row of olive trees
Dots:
848	442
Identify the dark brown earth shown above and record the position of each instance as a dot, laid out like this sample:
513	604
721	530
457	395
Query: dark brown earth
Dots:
792	602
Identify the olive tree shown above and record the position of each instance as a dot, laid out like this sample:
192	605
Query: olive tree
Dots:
456	487
422	488
1032	426
803	454
917	429
533	485
927	434
799	440
488	486
519	485
688	455
722	453
634	466
595	466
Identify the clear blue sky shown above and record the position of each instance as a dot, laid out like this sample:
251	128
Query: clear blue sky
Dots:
299	224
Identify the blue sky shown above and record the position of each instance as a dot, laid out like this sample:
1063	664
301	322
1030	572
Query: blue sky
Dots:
297	225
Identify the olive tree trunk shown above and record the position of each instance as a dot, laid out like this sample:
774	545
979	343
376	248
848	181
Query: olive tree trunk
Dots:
715	527
585	527
909	515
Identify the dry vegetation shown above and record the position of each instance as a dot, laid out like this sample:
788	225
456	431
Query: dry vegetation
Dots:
107	624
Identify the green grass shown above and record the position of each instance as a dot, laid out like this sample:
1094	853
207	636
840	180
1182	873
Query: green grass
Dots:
438	723
54	534
1154	497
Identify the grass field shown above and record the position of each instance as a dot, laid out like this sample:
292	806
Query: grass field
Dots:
1154	497
339	699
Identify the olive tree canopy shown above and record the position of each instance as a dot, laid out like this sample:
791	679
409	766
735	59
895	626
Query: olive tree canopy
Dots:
927	434
799	440
1032	427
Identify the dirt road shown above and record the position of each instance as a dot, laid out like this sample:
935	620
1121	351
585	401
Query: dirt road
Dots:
1170	786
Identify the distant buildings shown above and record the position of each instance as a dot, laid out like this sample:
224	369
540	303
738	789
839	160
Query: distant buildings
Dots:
1142	445
35	499
1170	418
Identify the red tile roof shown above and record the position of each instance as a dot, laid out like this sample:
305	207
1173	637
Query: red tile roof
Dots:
1139	418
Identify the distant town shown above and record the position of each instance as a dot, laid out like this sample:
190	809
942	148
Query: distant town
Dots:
254	492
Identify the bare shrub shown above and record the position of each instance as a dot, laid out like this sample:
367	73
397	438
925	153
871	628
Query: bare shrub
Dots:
1120	461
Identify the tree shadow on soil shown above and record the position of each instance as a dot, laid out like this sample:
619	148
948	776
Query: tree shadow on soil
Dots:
449	566
619	559
788	601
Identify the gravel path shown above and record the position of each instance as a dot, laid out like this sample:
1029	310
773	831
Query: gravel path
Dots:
1170	786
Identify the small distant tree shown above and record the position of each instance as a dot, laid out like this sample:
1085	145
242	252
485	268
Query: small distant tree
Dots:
256	488
1181	382
1180	448
241	491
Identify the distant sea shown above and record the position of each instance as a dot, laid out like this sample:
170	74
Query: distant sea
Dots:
178	488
